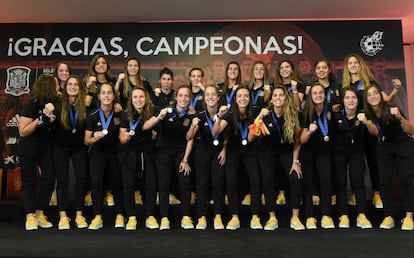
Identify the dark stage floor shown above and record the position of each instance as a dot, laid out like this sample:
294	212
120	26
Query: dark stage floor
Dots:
284	242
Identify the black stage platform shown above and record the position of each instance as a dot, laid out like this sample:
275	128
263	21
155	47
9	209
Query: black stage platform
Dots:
284	242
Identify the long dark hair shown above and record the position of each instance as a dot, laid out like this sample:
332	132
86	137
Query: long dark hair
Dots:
385	114
235	110
309	109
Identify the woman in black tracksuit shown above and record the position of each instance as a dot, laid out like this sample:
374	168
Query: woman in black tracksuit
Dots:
137	156
231	82
69	145
348	154
102	135
210	156
35	149
396	145
240	150
173	150
280	150
316	139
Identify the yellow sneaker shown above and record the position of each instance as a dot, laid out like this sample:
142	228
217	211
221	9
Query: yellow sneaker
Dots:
271	224
352	200
165	224
407	224
255	223
173	200
315	199
187	223
343	221
247	199
88	199
218	223
376	200
333	199
311	223
327	222
387	223
80	222
296	224
42	221
96	223
53	199
64	223
151	223
363	222
202	223
193	197
281	198
138	197
109	199
31	223
119	221
233	224
132	223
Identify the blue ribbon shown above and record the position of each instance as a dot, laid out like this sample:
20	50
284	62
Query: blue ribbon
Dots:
210	125
256	97
328	95
193	103
359	86
229	96
105	122
243	129
174	113
73	116
133	125
323	125
278	129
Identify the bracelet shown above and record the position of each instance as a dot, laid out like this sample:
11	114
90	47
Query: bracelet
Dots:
296	161
159	118
294	91
185	161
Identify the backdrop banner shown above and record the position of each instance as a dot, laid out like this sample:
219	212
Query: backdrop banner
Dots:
28	50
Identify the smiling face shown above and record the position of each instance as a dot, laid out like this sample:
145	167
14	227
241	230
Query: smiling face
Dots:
63	72
278	98
233	71
138	99
242	98
72	87
106	95
196	76
285	70
211	96
322	70
183	97
353	65
132	67
374	97
350	100
101	66
258	71
318	94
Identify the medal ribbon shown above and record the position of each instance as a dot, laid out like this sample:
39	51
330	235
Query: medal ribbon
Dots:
73	116
210	125
133	125
256	97
350	130
323	125
105	122
278	129
243	129
193	103
229	96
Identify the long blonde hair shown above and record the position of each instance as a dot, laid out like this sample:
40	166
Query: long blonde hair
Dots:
290	114
266	80
364	73
148	107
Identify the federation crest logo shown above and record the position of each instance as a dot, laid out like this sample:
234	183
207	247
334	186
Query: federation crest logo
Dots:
372	44
17	80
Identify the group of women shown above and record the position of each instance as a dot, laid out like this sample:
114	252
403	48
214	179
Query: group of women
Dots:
275	137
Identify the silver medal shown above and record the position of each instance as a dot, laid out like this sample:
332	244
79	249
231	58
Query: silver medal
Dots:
105	131
244	142
169	110
73	130
132	132
326	138
216	142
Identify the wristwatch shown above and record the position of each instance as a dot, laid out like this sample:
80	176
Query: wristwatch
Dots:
296	161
